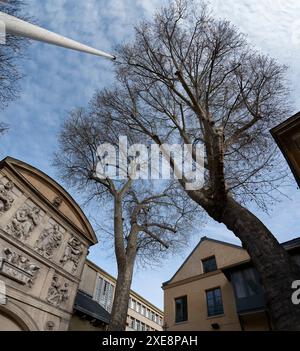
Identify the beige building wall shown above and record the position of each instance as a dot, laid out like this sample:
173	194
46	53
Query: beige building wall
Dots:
88	280
225	256
190	280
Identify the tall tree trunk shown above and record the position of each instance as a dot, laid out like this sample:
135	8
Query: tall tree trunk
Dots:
275	266
122	293
125	261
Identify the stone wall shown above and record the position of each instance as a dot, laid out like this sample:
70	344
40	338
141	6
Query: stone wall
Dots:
42	253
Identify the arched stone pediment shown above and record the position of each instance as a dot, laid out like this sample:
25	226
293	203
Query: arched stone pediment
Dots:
44	241
50	193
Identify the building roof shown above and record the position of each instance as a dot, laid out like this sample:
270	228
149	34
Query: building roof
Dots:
288	245
204	238
85	304
132	292
291	244
283	135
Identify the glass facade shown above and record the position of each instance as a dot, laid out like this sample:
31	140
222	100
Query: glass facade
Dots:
104	293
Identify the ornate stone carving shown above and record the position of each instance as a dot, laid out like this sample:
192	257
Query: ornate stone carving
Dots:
57	201
58	292
24	222
6	200
73	252
49	326
49	240
18	267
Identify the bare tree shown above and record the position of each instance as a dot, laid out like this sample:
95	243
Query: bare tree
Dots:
3	128
194	79
147	220
10	52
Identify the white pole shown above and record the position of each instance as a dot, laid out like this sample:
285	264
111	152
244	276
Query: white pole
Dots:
18	27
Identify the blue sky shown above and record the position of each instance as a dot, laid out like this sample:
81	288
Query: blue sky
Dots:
57	80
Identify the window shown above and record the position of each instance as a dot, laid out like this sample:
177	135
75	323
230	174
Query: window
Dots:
143	310
246	283
104	293
214	302
138	325
209	264
153	316
181	314
132	304
138	307
132	323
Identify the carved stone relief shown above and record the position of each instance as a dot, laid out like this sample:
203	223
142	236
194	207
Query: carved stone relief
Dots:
6	199
50	239
24	222
18	267
73	252
49	326
58	292
57	201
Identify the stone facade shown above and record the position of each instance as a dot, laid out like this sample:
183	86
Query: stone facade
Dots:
44	240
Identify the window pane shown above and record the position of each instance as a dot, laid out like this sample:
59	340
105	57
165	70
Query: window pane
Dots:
209	264
104	293
214	302
239	284
246	283
251	281
138	307
181	309
138	325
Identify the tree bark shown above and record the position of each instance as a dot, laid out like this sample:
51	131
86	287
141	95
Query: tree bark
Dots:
275	266
125	260
122	293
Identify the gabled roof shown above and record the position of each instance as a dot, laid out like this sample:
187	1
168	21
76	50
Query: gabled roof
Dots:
290	245
25	173
204	238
